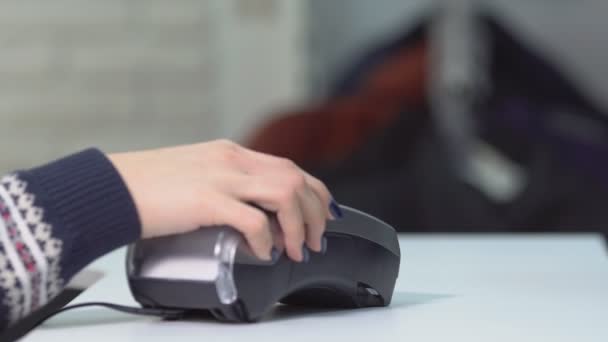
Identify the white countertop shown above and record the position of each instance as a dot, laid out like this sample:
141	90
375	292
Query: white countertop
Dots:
450	288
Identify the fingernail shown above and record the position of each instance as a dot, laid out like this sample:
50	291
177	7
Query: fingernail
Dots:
335	209
305	254
323	245
275	254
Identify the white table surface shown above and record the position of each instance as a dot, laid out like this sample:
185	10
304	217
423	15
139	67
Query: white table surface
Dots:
450	288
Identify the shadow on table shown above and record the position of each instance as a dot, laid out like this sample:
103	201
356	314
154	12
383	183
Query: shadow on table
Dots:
100	316
400	300
287	312
92	317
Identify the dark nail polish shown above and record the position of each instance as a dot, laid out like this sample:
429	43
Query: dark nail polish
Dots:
335	209
323	245
275	254
305	254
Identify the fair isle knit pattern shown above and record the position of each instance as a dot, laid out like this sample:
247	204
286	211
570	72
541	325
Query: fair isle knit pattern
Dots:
30	255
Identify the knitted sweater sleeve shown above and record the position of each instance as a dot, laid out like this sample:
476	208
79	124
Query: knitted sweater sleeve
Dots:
54	220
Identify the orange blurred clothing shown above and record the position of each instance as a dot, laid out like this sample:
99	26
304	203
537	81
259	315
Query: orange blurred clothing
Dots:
334	129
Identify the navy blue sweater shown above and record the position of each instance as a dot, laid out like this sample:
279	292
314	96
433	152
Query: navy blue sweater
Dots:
55	219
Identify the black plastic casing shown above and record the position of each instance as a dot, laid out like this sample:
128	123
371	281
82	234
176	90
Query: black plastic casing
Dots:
359	269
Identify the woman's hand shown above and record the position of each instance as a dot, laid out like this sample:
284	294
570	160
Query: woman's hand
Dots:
180	189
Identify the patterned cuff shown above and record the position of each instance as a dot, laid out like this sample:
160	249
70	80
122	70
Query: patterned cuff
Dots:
29	254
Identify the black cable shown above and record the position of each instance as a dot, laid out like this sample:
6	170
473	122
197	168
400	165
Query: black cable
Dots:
163	313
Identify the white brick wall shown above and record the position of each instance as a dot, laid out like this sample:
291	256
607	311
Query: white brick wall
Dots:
123	74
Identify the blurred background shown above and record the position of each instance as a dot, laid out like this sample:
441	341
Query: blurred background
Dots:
125	74
433	115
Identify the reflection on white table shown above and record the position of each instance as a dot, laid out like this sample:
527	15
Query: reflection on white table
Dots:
450	288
